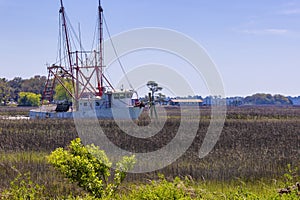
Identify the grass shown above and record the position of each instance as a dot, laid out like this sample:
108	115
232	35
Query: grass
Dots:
14	111
250	158
56	187
13	164
214	190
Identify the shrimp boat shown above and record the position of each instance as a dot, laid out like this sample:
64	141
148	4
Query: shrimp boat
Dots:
81	75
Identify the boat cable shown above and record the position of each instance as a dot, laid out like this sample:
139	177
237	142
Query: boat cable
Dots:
58	56
73	35
61	55
94	37
80	43
116	54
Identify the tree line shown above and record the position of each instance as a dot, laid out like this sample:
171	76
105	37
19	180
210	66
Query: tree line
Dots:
26	92
267	99
22	91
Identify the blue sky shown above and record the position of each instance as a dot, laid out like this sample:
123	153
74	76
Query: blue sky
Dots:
254	43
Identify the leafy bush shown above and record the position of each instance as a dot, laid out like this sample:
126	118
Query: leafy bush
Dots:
29	99
90	168
242	193
22	188
291	177
61	92
163	189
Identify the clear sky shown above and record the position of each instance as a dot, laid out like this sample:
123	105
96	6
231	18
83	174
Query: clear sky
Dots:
254	43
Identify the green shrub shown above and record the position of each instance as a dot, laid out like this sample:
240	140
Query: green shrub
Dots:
163	189
242	193
22	188
90	168
29	99
291	177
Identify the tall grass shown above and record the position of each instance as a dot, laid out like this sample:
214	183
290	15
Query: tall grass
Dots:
256	143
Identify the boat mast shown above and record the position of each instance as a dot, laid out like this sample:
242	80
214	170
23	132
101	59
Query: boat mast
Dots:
62	11
100	72
81	76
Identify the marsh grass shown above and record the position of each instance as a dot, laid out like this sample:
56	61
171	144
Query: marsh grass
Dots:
251	156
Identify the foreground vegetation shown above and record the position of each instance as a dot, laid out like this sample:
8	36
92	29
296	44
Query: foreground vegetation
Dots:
22	187
249	161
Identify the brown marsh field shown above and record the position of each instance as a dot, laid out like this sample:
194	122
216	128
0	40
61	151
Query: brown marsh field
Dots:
256	143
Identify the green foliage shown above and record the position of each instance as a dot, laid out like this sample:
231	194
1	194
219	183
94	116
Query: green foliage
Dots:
16	87
163	189
241	193
35	84
4	91
22	188
86	197
267	99
61	92
291	177
90	168
29	99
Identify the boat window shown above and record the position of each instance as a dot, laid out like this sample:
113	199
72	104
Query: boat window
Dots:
97	103
122	95
85	104
116	96
128	95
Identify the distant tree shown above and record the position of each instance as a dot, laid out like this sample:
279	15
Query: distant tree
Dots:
29	99
259	99
61	93
161	98
35	85
16	87
267	99
4	91
282	100
153	87
16	83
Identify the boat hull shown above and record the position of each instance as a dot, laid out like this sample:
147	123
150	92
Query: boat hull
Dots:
108	113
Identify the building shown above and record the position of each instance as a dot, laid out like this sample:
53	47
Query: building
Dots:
186	102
